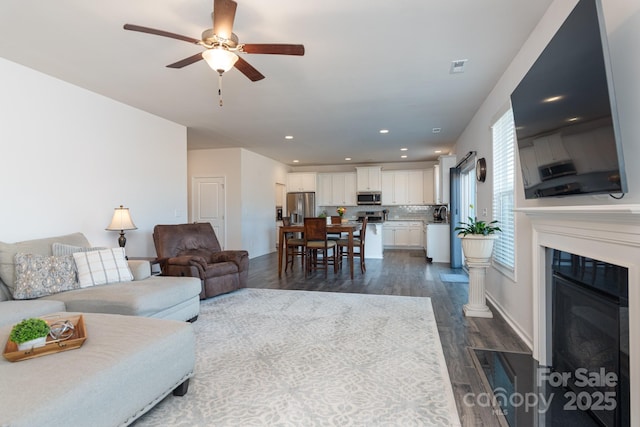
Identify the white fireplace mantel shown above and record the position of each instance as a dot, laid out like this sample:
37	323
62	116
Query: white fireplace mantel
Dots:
609	233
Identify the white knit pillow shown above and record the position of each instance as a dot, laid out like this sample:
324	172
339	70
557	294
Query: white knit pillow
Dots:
102	267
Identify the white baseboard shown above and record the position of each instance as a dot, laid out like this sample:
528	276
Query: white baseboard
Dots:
514	325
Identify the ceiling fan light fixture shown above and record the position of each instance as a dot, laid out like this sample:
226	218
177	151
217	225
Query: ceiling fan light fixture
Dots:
220	59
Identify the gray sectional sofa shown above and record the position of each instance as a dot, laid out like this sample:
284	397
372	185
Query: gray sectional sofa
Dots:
139	345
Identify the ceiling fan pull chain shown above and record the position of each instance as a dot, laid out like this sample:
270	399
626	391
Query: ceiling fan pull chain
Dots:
220	88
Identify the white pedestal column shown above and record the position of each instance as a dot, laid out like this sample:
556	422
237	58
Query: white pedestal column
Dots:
477	305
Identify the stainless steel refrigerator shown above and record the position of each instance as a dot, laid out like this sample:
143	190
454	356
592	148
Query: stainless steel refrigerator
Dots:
301	205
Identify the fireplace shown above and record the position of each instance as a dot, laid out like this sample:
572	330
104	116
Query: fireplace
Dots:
606	235
590	340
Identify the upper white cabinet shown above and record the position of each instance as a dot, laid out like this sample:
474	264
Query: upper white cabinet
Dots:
427	188
445	163
403	187
337	189
415	187
369	178
301	181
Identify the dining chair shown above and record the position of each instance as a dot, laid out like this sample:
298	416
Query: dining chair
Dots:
335	236
316	243
358	243
294	247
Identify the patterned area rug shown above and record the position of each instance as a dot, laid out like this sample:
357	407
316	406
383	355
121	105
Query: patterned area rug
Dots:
301	358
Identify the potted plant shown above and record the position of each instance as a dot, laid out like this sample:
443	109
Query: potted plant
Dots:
30	333
477	239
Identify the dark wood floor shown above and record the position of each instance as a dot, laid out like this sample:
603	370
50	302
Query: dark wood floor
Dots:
407	273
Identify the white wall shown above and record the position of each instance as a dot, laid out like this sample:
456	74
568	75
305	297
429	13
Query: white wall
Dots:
70	156
250	194
622	19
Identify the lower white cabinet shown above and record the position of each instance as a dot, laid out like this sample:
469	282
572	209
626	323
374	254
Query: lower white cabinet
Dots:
438	242
408	234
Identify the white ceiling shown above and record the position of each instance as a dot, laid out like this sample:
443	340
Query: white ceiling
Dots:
369	65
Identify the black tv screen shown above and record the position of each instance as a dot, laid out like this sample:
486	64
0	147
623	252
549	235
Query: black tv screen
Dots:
564	113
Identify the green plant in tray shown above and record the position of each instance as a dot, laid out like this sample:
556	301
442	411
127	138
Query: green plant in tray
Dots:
29	329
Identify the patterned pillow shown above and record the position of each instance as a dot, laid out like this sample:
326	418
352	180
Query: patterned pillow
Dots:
102	267
60	249
40	275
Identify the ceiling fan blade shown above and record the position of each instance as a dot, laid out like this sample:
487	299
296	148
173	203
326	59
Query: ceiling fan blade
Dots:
247	69
224	12
274	49
186	61
162	33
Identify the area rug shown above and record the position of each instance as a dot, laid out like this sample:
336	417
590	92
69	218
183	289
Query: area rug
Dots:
454	278
302	358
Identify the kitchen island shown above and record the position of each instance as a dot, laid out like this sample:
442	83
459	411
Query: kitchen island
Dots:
373	241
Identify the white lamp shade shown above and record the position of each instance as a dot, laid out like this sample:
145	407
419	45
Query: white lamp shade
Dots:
121	220
220	60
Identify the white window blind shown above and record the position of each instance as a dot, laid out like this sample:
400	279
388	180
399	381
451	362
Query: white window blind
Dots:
503	189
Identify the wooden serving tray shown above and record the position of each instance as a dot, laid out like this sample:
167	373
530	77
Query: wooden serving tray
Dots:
12	354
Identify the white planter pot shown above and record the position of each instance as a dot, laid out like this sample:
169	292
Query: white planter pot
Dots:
478	248
28	345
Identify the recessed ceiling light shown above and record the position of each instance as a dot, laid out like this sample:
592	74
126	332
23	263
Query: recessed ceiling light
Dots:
384	130
438	151
296	161
347	158
436	130
573	119
404	156
288	137
403	149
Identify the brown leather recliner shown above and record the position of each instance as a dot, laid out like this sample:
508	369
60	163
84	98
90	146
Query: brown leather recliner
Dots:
193	250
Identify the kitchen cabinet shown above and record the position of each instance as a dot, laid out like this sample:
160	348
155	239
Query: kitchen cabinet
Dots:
444	164
427	187
301	181
404	234
415	187
403	187
438	244
337	189
368	178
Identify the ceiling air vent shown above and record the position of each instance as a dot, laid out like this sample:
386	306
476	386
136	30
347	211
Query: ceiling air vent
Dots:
457	66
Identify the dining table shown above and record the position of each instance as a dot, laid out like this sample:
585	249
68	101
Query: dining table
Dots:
345	227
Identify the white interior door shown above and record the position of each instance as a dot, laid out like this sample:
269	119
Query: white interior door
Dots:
209	204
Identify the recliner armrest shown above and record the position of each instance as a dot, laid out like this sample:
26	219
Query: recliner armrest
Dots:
239	257
187	260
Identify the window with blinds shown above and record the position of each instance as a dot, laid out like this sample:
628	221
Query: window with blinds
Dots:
503	134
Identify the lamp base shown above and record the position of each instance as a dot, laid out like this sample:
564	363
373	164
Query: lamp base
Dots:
122	240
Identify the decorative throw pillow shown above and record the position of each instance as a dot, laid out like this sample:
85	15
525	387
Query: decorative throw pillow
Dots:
102	267
60	249
40	275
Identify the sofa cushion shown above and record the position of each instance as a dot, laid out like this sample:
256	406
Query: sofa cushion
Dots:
126	365
8	252
11	312
102	267
138	298
59	249
40	275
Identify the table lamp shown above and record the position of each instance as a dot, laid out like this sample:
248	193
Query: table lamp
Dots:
121	221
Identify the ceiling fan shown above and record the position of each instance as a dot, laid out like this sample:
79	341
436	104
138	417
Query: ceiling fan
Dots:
222	44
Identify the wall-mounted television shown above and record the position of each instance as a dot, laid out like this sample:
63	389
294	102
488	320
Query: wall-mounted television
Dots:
565	114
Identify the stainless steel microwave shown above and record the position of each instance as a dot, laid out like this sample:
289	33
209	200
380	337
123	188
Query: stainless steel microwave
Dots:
370	198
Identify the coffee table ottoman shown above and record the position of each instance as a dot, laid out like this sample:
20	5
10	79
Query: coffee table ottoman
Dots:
126	365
